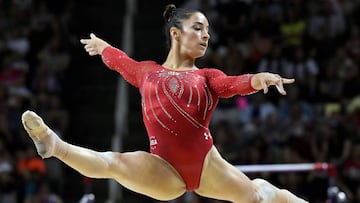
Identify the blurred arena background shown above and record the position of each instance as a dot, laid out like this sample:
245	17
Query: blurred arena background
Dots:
43	67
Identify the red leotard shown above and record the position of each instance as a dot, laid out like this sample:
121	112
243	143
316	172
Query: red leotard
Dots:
177	107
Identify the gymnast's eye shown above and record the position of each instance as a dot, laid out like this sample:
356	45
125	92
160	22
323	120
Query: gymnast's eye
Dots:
197	28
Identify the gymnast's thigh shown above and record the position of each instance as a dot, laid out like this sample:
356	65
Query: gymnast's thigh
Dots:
221	180
147	174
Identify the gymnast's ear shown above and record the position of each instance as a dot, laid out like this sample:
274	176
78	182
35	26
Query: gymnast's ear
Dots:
175	33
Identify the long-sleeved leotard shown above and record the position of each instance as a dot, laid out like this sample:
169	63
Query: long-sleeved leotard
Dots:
177	107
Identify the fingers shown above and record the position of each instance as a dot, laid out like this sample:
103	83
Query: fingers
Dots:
84	41
92	51
279	84
280	88
277	81
87	47
287	81
90	45
264	86
87	41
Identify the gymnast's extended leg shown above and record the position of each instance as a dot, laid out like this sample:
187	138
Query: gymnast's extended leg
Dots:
139	171
221	180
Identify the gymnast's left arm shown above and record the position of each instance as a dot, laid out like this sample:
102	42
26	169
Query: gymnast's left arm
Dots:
228	86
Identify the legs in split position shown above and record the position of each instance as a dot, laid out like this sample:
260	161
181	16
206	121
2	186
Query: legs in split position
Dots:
150	175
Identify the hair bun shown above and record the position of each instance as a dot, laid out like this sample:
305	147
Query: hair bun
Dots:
169	11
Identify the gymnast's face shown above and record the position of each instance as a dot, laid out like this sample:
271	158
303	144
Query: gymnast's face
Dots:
193	39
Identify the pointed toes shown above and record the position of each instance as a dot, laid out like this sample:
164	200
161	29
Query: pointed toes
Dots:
30	120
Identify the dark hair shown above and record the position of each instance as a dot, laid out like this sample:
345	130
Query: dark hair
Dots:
174	17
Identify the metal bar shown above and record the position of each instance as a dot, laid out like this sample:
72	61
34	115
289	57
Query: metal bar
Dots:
284	167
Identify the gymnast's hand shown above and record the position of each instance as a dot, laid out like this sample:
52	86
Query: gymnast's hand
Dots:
94	45
264	80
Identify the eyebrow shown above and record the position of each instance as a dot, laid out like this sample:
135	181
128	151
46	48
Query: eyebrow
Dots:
200	23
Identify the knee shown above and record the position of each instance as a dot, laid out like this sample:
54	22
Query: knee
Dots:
109	161
108	157
264	191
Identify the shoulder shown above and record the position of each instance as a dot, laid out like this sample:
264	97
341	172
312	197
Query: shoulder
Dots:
150	63
149	66
211	72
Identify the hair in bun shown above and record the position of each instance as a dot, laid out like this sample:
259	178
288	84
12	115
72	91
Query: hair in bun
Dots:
169	12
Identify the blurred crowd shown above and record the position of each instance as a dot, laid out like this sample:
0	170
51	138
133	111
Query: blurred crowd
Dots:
315	42
34	57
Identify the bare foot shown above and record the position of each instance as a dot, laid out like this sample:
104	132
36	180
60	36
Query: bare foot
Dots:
43	137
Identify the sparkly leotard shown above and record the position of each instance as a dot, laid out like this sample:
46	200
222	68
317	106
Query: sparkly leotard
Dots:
177	107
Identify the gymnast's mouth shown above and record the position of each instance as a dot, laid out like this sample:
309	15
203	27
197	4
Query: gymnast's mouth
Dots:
203	45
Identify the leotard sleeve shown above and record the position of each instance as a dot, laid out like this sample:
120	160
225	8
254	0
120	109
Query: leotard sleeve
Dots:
131	70
227	86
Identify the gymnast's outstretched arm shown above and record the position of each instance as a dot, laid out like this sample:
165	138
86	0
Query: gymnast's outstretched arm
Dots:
117	60
228	86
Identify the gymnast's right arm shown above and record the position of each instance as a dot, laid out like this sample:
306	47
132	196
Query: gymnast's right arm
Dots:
115	59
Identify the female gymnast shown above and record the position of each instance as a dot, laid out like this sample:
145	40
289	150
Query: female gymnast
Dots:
178	100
